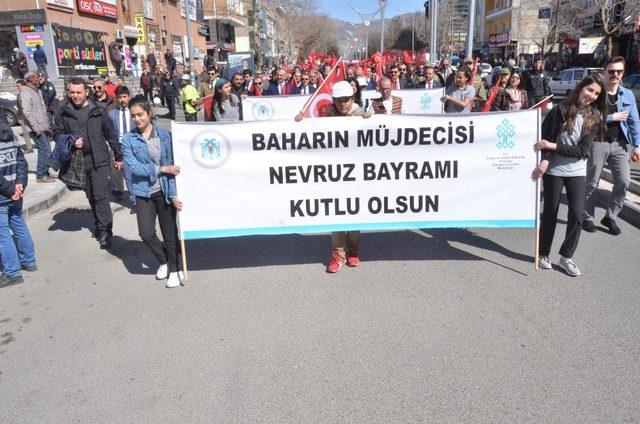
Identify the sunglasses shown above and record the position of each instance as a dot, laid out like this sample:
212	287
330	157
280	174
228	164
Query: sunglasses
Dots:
305	79
257	82
615	71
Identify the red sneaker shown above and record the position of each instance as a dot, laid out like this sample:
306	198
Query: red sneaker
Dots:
335	264
352	259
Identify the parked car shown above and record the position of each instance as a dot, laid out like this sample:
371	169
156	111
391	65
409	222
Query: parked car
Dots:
484	69
565	82
9	103
632	82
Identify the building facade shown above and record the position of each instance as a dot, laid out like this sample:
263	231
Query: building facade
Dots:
80	36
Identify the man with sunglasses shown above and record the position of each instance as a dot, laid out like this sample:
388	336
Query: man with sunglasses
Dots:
208	86
623	128
305	88
405	83
394	77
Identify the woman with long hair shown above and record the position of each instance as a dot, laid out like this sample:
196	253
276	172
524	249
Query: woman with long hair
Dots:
148	155
513	97
226	105
567	134
357	97
256	87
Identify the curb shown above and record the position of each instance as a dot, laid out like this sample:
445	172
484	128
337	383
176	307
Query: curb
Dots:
55	196
630	212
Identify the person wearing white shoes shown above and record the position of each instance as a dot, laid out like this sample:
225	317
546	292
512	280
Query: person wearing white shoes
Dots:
567	134
148	155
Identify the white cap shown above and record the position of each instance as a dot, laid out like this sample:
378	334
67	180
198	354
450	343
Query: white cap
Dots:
186	77
15	49
342	89
362	81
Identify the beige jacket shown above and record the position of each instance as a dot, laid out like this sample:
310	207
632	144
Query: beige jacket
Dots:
34	111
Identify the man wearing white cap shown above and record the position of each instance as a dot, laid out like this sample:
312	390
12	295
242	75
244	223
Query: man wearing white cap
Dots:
190	99
345	243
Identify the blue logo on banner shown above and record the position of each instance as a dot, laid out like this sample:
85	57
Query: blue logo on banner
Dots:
210	149
425	102
506	131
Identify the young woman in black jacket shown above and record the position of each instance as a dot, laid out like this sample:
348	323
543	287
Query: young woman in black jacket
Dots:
567	133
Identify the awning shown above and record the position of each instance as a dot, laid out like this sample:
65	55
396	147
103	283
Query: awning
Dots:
227	19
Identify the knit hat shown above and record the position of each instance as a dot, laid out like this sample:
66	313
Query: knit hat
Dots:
220	82
505	71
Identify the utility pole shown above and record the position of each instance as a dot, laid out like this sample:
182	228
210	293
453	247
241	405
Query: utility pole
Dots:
433	51
472	19
192	68
383	5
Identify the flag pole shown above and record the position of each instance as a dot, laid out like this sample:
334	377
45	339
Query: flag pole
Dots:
537	203
324	81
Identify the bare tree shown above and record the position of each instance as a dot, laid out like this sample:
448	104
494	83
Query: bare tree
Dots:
615	16
304	26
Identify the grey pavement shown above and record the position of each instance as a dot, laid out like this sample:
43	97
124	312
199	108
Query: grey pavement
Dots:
435	326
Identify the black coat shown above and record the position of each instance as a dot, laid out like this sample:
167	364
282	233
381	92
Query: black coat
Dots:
553	126
169	88
536	84
100	132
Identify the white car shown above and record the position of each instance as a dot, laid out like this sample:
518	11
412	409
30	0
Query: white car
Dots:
484	69
565	82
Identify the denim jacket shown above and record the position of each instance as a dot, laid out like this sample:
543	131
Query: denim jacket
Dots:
144	172
631	127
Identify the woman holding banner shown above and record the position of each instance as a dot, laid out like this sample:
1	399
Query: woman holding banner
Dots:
567	133
226	105
148	154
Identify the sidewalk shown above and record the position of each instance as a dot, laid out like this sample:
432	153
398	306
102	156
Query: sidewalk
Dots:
38	197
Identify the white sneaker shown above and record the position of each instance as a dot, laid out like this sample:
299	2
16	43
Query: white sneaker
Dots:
163	272
181	275
544	262
174	280
569	267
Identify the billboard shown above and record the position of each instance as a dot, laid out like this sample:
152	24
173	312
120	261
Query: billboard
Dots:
79	52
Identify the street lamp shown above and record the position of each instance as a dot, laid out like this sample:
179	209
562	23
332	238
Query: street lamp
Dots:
383	5
366	20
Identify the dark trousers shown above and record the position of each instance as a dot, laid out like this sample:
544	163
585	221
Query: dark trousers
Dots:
118	65
148	94
190	117
575	187
98	196
171	104
44	151
166	251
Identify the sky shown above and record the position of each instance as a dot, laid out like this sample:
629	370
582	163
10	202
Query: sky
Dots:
341	9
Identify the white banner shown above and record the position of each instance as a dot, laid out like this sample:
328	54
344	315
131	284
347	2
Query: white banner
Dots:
272	107
351	173
421	101
67	4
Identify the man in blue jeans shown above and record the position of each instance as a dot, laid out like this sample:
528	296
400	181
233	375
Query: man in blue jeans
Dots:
36	118
16	245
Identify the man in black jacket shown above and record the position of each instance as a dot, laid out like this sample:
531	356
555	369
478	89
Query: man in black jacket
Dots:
535	82
93	130
169	90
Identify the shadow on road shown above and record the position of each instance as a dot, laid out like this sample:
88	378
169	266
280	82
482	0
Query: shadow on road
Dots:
255	251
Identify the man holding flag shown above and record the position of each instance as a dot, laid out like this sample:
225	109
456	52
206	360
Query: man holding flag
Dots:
345	243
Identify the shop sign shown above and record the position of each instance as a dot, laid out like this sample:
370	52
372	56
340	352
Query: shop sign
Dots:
80	52
23	17
130	31
66	4
32	28
104	8
499	40
139	20
589	45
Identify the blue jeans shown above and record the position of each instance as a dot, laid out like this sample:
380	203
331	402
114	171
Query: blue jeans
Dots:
44	151
18	249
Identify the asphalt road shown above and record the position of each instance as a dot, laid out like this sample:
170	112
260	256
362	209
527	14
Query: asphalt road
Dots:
435	326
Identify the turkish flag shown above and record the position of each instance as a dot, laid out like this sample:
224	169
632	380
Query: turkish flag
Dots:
492	97
544	104
322	97
207	105
377	59
408	56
